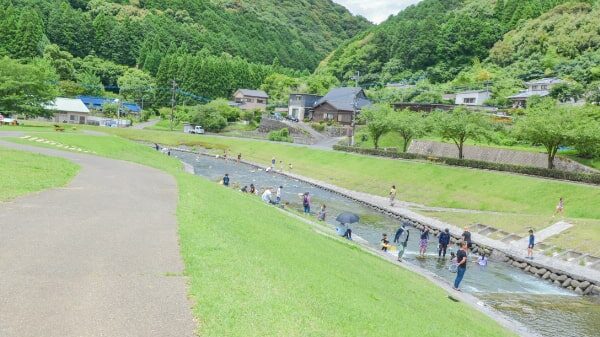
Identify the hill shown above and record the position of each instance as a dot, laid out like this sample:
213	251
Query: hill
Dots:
437	39
295	34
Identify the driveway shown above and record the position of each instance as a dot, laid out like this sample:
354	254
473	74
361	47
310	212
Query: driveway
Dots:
99	257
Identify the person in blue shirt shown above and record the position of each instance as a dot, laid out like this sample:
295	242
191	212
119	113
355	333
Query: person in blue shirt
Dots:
226	180
530	245
443	241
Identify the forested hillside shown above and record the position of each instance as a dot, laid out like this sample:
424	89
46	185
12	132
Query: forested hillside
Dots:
437	39
296	34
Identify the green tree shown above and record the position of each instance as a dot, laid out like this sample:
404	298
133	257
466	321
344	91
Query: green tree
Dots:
376	117
409	125
24	88
137	85
548	125
460	125
209	118
90	84
567	91
61	61
30	35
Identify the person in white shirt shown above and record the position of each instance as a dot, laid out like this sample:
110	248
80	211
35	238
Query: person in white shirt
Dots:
266	196
278	195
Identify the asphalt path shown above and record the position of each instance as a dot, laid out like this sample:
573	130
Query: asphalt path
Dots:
99	257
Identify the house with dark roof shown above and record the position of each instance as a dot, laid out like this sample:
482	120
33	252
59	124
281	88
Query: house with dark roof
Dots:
539	87
300	106
339	105
249	99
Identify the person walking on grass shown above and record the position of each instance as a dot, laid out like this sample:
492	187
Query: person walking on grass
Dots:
423	242
444	241
461	258
306	202
226	180
530	245
560	207
392	195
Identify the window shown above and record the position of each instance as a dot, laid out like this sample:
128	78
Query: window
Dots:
469	100
544	87
344	118
298	98
328	116
72	117
249	100
262	101
534	87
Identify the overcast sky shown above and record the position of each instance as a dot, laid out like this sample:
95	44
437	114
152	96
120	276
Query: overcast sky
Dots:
376	10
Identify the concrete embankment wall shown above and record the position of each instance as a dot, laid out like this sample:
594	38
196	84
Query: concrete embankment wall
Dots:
495	155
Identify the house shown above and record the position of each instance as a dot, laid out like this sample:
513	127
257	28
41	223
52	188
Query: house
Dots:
534	88
472	97
251	99
68	110
96	104
300	106
340	104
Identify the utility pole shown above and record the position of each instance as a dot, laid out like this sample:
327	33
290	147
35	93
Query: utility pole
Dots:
356	78
173	91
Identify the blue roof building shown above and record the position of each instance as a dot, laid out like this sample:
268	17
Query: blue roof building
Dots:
96	103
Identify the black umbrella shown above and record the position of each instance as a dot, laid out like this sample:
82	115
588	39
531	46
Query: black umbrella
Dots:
347	218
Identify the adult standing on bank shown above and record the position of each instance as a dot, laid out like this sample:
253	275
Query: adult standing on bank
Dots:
461	258
444	241
560	208
392	195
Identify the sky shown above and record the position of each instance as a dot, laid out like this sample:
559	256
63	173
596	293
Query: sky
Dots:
376	10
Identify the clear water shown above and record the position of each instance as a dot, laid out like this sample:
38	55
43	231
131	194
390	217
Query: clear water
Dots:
546	308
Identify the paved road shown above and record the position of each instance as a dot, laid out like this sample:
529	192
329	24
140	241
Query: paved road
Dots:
95	258
143	125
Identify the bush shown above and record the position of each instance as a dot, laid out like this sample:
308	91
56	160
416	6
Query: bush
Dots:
484	165
210	119
318	127
282	135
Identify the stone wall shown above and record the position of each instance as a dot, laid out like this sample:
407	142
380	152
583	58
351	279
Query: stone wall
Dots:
267	125
494	155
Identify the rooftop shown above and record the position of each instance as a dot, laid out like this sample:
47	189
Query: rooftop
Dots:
547	80
343	98
63	104
253	93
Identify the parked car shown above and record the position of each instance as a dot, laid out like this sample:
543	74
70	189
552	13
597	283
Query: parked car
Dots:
198	130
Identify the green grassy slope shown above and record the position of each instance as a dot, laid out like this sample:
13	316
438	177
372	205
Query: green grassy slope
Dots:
24	173
274	276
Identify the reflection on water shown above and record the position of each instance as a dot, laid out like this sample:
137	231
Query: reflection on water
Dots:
546	308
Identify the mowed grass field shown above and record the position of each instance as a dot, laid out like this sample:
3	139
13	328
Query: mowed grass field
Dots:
255	271
24	172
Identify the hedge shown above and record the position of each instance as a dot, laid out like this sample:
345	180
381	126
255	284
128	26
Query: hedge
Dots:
589	178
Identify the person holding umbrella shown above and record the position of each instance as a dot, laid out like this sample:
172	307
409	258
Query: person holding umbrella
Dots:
344	219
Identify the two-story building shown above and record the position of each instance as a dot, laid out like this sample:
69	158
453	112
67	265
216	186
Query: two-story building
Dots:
340	104
534	88
249	99
300	106
472	97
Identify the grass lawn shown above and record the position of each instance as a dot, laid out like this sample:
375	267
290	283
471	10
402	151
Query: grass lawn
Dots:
165	125
424	183
582	237
24	172
274	276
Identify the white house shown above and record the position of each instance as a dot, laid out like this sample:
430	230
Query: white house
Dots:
473	97
534	88
68	110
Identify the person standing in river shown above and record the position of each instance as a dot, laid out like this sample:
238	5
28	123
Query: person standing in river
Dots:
403	243
306	202
322	213
443	241
424	241
530	245
461	258
392	195
466	236
385	243
278	195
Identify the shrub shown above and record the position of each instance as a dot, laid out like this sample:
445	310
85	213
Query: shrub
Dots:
484	165
282	135
209	119
318	127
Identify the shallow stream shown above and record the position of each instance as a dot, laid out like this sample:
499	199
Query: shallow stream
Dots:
545	308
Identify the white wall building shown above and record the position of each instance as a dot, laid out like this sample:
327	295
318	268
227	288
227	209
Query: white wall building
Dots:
68	110
473	97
